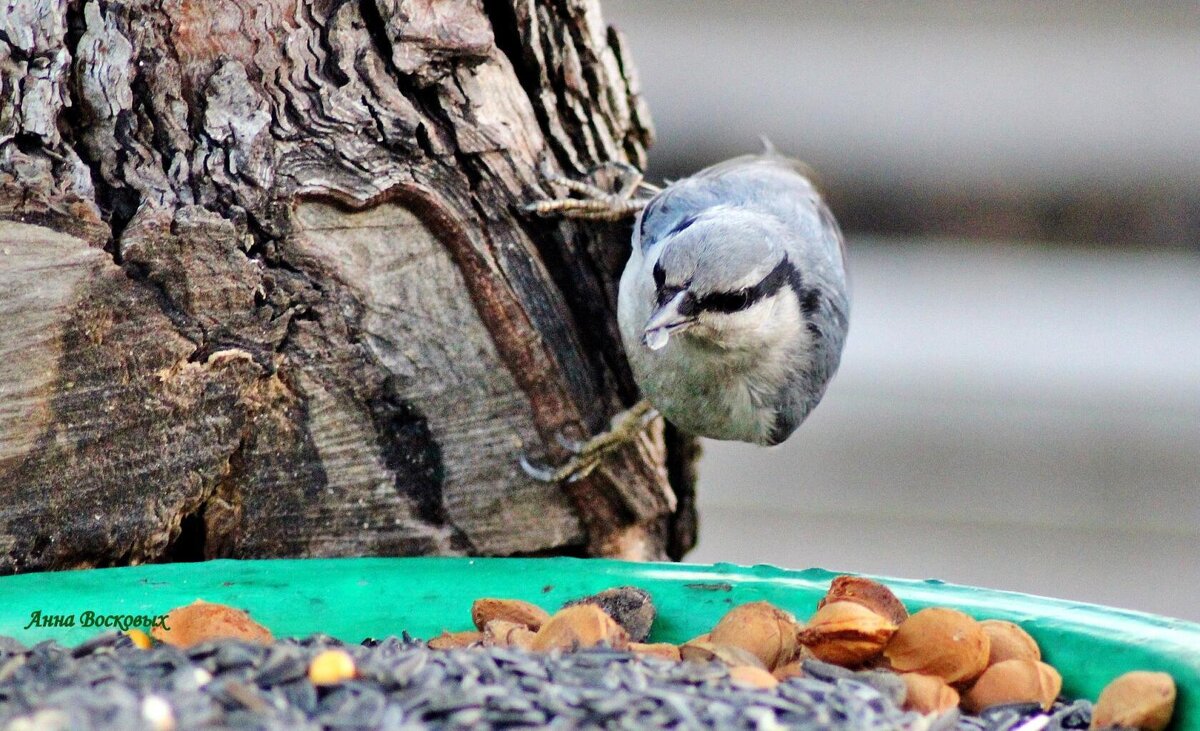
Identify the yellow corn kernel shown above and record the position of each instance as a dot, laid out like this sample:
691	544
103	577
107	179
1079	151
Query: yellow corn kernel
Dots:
331	667
140	639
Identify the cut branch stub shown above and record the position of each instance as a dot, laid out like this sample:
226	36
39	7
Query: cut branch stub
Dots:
280	299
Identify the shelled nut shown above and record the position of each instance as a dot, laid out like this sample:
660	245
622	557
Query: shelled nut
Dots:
509	610
454	640
1138	699
581	625
793	669
942	642
871	594
502	633
1007	641
764	630
846	633
1014	681
665	650
705	651
752	677
928	693
194	623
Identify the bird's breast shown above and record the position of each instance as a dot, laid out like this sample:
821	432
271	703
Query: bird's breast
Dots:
713	395
717	383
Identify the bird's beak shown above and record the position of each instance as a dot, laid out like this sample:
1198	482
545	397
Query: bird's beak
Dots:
672	316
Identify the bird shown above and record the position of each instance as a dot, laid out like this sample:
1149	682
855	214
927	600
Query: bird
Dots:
733	306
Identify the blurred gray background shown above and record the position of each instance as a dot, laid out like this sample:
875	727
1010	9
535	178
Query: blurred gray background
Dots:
1019	400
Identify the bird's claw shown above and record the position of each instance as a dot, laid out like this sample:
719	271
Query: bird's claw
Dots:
586	456
539	472
590	201
573	470
574	446
622	168
607	208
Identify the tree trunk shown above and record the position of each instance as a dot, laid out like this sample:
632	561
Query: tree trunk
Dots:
266	289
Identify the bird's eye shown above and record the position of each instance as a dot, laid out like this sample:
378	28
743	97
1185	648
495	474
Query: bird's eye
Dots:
737	300
666	294
660	277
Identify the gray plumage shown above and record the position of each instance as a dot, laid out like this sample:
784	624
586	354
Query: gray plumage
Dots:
733	305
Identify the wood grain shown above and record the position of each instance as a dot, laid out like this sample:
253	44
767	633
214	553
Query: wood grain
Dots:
279	298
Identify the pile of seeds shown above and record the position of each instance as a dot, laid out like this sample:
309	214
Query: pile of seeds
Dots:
109	683
860	662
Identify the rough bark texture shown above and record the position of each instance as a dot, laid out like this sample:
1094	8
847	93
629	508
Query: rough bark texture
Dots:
265	289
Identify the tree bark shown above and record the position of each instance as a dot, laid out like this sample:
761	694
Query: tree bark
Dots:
266	290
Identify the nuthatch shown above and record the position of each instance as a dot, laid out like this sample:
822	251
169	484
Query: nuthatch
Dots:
733	306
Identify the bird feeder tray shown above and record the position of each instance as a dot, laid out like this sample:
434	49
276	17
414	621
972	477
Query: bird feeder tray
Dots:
353	599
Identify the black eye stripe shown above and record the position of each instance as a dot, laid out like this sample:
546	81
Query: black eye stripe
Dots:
725	301
660	277
687	307
810	301
728	302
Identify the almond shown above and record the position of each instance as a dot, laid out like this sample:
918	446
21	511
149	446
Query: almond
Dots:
509	610
1137	699
928	693
455	640
942	642
794	669
752	677
764	630
846	633
502	633
1014	681
194	623
871	594
1009	642
705	651
581	625
665	650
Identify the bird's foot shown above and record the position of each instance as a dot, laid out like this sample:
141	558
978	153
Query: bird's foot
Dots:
593	202
587	456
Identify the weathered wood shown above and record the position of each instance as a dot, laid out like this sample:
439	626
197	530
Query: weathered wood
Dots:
279	297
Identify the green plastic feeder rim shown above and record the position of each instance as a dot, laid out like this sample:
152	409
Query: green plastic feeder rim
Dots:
356	598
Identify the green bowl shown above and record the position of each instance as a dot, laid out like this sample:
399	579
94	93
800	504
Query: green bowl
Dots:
374	597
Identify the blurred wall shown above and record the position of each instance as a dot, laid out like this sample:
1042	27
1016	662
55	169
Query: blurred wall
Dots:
1038	120
1005	415
1008	413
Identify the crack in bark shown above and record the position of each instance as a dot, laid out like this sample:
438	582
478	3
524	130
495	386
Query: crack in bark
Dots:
209	528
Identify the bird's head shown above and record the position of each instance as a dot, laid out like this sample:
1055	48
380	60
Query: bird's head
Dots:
718	277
